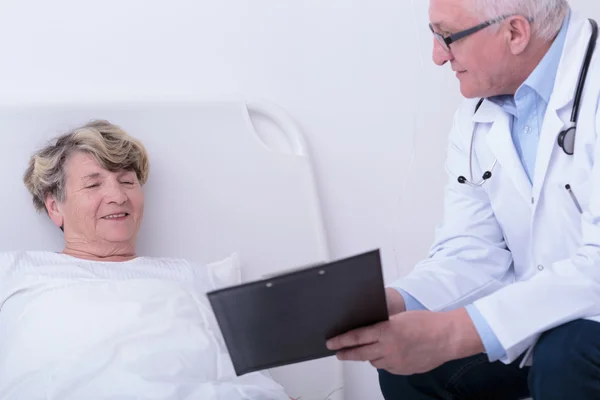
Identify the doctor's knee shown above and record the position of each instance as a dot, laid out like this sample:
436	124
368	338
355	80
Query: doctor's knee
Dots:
561	360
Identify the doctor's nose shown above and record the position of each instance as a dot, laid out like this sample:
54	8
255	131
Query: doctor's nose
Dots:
440	55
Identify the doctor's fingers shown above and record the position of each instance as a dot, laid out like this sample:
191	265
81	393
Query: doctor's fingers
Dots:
357	337
364	353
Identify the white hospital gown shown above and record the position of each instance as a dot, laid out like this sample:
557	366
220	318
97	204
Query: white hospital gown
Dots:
141	329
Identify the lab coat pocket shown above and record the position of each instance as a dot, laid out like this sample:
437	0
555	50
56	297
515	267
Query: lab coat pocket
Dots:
574	198
577	194
570	202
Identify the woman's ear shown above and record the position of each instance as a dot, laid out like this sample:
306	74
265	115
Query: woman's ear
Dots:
54	211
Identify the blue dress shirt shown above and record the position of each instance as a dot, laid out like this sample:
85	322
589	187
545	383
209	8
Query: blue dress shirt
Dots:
527	109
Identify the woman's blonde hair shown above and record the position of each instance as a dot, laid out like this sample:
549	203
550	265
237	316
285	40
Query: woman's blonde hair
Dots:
111	146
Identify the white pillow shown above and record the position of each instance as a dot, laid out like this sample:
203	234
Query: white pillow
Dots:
227	271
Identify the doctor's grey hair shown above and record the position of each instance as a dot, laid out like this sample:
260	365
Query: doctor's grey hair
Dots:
547	15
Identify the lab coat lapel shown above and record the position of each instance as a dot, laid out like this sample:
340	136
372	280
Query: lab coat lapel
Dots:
500	142
546	147
564	92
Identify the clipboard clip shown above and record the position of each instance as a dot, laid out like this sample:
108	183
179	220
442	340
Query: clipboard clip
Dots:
297	269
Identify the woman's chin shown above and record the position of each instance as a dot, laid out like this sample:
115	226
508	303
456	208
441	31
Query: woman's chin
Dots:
116	237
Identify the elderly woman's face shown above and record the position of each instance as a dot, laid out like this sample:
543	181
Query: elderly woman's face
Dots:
100	205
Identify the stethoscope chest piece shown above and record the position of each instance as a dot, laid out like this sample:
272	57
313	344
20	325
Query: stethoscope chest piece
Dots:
566	140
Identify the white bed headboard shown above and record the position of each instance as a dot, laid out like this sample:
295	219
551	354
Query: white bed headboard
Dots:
216	187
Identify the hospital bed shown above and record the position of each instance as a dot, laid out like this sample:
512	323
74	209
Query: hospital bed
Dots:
231	185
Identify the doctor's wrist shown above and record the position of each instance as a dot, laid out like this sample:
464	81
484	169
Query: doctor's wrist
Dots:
395	301
463	338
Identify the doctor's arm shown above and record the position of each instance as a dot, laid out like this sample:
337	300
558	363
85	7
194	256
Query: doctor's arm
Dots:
469	257
469	253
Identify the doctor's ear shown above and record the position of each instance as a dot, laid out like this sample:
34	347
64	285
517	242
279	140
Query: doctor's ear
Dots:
54	211
518	34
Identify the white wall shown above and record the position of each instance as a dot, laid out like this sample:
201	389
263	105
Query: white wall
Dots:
356	75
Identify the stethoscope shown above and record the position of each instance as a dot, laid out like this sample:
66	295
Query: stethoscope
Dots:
566	138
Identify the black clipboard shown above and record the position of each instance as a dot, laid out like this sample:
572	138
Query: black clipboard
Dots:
288	318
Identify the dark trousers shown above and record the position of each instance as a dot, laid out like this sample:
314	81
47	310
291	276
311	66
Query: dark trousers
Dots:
566	365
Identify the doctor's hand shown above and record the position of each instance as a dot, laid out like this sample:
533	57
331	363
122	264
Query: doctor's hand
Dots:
411	342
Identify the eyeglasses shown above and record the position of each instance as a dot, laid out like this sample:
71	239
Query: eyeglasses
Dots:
447	41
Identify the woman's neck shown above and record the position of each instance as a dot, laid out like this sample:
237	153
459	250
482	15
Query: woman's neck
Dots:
117	254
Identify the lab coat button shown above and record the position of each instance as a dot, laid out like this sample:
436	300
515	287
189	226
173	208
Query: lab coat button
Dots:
532	200
541	267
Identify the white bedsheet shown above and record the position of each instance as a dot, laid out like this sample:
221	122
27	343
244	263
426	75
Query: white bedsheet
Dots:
143	329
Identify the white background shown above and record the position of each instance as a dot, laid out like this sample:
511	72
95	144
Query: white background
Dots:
356	76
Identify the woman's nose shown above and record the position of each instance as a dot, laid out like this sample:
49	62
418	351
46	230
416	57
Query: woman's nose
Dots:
115	193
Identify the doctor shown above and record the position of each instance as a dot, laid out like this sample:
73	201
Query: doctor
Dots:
507	304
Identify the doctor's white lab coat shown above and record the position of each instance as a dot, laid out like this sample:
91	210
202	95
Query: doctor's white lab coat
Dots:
522	253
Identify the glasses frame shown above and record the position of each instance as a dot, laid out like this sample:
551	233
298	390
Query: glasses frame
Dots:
447	41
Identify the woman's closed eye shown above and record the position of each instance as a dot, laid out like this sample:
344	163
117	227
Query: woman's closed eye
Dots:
94	185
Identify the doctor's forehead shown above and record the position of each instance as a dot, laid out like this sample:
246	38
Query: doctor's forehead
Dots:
451	14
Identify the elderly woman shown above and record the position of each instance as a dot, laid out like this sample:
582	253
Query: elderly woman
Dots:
99	321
